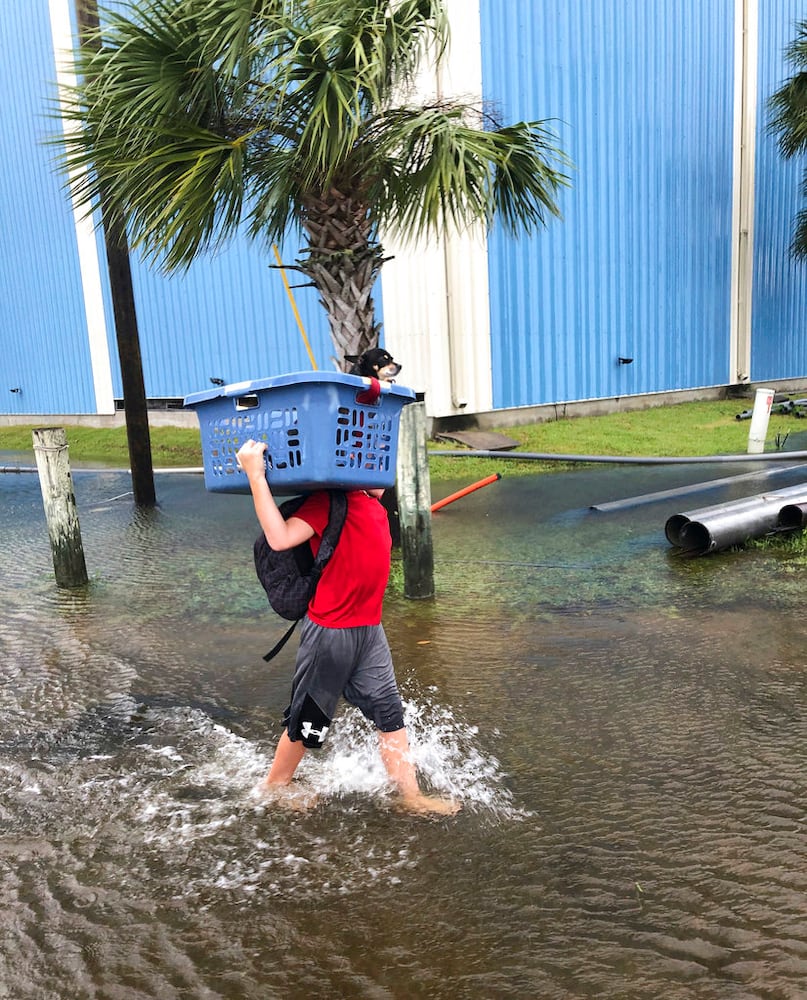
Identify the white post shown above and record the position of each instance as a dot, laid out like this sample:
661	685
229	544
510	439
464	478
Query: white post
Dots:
763	400
53	463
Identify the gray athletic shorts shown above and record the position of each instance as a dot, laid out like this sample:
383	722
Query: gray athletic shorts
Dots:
354	663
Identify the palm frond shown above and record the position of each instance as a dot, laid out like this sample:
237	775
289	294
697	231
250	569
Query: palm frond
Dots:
788	105
192	118
798	245
167	217
438	169
789	115
177	198
275	195
382	42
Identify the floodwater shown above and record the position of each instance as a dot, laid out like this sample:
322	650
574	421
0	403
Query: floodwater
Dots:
625	729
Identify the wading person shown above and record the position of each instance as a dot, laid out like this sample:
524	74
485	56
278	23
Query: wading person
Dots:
343	649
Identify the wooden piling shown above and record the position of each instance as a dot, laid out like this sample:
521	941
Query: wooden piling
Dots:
414	503
56	484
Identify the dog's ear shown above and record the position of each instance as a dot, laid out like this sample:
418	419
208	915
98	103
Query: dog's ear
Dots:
352	358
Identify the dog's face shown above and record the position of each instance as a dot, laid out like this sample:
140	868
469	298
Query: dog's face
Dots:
375	363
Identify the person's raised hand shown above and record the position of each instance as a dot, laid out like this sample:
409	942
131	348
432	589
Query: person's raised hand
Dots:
250	458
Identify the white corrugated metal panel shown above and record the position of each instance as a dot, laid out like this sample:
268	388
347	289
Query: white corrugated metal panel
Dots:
416	319
642	99
436	305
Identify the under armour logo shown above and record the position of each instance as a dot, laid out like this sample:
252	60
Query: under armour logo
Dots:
308	731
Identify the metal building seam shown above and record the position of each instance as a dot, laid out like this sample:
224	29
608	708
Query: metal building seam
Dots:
746	58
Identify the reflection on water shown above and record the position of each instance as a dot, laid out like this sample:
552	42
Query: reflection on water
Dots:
624	728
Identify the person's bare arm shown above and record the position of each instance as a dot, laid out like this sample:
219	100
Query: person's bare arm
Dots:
280	534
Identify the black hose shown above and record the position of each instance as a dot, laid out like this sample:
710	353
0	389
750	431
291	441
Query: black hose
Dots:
540	456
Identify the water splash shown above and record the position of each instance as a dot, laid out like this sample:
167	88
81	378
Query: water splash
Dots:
208	774
443	748
173	791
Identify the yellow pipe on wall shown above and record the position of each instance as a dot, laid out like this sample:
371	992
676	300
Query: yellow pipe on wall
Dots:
294	307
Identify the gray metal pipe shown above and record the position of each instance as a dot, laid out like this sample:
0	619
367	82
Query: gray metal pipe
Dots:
20	469
548	456
726	528
731	508
676	524
709	529
701	487
792	517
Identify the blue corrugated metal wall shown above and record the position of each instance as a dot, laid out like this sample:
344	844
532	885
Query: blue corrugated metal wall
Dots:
642	97
640	267
227	317
43	331
779	317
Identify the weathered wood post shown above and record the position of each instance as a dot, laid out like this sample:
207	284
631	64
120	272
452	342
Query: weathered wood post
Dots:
414	503
53	465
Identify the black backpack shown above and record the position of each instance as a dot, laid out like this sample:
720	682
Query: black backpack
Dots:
290	577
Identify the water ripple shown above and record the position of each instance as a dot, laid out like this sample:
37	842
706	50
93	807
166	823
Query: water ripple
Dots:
625	732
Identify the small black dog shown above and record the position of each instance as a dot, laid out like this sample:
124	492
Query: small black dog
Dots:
375	363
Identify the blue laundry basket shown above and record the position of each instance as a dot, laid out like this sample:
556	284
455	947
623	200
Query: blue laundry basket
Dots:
318	435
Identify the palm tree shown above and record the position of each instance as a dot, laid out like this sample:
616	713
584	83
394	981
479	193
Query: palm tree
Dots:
788	108
199	117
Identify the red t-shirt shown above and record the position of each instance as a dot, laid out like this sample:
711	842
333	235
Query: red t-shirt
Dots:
351	589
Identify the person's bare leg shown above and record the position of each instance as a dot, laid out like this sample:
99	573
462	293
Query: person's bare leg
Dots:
401	771
276	786
288	755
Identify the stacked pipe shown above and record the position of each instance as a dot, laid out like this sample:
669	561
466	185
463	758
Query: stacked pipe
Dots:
709	529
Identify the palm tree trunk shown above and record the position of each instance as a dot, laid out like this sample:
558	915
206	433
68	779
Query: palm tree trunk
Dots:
343	260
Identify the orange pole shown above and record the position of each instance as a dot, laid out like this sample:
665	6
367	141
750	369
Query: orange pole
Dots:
468	489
